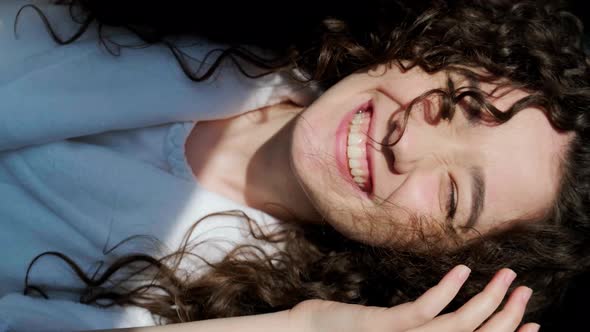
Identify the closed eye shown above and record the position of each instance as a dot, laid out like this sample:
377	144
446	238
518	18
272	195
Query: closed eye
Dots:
452	201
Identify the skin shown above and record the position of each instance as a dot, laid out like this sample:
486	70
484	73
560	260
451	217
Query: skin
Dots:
288	158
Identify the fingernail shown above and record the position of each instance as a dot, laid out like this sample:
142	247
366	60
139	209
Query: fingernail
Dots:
526	295
534	328
463	272
509	276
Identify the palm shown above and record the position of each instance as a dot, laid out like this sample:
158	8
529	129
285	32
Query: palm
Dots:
422	315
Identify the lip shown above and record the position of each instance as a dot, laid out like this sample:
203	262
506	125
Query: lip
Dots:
341	143
370	149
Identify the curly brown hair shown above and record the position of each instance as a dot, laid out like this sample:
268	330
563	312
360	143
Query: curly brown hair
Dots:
536	46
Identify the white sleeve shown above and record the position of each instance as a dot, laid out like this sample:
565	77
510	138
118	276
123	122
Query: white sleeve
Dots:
50	92
19	313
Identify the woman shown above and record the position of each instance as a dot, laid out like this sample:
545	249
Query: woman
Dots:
447	133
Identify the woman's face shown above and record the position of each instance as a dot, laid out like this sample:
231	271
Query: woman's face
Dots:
456	172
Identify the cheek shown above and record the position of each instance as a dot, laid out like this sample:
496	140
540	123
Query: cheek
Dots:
394	221
418	194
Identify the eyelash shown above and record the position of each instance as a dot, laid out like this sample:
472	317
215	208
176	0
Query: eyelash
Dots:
452	208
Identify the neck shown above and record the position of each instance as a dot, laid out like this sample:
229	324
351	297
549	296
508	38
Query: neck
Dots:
250	162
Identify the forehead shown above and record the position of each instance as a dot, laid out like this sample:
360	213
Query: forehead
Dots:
521	160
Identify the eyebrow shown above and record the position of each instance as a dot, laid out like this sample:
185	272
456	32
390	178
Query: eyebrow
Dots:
478	190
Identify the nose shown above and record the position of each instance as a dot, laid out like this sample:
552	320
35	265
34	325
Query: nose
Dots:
417	192
422	139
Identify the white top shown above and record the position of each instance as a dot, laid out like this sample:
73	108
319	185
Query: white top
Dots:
92	152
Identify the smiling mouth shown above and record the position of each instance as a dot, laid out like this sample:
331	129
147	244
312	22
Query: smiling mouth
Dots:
356	152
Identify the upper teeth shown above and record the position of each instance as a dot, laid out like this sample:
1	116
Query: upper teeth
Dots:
356	150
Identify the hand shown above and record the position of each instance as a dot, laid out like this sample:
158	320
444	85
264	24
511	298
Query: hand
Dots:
421	315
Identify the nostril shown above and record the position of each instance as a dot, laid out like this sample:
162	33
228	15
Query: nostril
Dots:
390	159
392	135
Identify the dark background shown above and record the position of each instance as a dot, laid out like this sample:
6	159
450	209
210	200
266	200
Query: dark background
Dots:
574	312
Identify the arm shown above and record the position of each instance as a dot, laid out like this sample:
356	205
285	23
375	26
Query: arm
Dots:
79	89
421	315
276	322
50	92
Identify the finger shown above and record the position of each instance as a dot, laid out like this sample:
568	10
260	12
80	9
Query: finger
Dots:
475	311
511	315
530	327
481	306
433	301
